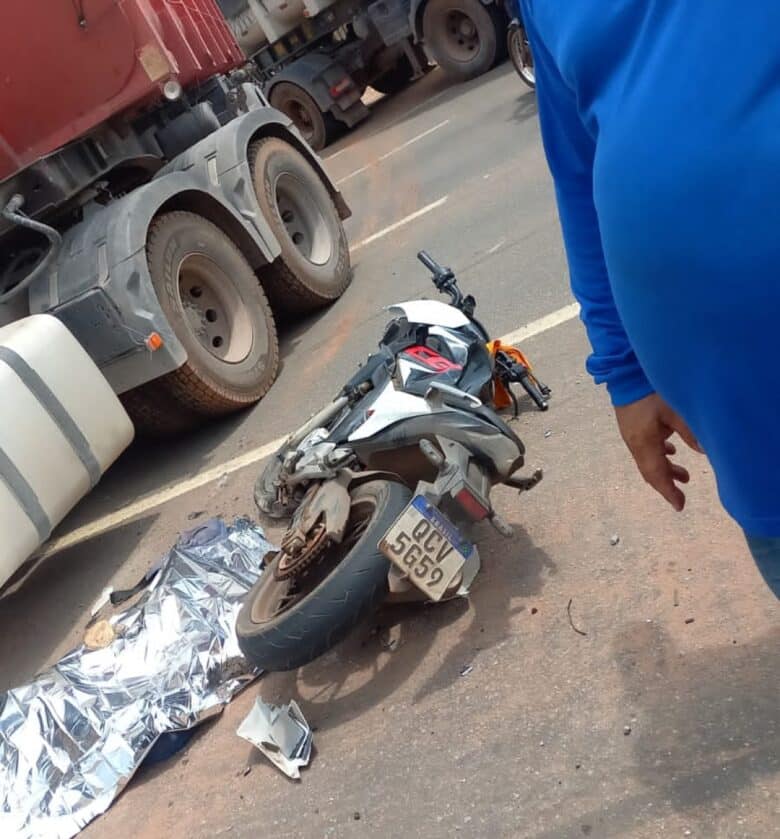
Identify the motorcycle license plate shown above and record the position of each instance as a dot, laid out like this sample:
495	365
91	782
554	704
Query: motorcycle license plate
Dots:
427	547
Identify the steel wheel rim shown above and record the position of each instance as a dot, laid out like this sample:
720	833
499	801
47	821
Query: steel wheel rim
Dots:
275	597
303	219
521	56
461	35
214	311
299	114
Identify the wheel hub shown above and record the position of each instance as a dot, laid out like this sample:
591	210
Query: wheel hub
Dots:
214	310
462	35
298	552
303	219
303	562
302	119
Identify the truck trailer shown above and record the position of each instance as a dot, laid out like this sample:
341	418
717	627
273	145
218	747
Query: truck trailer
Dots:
156	206
315	58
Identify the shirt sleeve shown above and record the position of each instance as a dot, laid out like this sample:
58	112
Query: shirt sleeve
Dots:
570	150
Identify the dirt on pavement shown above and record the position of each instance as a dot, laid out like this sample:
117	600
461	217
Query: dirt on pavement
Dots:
492	716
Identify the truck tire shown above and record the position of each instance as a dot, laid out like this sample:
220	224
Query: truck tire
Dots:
316	127
314	268
465	37
395	80
275	633
217	309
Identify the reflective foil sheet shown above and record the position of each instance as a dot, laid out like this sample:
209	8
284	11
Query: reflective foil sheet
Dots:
72	738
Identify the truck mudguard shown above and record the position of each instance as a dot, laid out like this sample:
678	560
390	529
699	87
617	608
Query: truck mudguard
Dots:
101	288
308	72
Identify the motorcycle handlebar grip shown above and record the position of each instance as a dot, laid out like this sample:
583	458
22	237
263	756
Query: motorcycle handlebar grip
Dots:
430	263
534	392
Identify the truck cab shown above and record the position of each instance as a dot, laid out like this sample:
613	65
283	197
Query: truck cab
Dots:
156	205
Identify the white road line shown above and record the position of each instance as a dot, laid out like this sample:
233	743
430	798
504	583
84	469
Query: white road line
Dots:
414	140
496	246
403	146
353	174
391	228
337	154
144	505
536	327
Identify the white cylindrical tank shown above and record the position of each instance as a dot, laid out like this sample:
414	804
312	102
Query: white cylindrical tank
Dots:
255	23
61	427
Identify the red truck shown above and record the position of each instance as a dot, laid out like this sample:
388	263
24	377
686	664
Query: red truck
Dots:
153	201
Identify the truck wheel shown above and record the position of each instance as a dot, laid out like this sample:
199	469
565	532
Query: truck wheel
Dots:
395	80
217	309
465	37
316	127
313	269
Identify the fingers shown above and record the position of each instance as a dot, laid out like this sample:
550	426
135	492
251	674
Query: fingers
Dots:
663	483
681	427
645	426
662	474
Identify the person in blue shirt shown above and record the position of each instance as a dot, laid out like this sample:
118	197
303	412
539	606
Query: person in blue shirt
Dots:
667	177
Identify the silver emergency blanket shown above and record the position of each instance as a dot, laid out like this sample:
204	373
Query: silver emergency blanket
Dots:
72	738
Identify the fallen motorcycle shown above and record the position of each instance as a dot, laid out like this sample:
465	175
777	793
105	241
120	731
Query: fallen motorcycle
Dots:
385	484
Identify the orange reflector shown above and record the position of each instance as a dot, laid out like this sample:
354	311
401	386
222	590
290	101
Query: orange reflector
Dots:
154	341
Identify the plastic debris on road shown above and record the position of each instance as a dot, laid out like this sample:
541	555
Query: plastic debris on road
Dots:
281	733
72	738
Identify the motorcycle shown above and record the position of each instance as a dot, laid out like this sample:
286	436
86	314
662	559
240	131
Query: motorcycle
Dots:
519	46
386	483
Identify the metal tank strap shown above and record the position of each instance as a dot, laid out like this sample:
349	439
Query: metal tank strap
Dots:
56	410
25	495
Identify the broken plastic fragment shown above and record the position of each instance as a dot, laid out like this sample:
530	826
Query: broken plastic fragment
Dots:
281	733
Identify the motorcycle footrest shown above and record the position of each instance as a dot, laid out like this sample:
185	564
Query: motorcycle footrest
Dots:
525	484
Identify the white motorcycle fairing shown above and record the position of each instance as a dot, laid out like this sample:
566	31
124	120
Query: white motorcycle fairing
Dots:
389	407
431	313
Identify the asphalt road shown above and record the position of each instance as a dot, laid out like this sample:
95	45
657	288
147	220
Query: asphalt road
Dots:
650	724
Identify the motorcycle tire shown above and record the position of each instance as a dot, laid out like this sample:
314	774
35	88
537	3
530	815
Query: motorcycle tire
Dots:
345	584
520	55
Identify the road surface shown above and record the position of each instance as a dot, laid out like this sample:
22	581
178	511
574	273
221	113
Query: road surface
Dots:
662	719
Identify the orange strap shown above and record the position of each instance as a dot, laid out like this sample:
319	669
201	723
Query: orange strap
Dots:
501	398
513	352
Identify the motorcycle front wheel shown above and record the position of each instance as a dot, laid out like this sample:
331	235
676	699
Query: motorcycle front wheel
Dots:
520	55
286	623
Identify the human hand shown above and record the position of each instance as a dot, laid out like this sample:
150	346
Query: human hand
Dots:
646	426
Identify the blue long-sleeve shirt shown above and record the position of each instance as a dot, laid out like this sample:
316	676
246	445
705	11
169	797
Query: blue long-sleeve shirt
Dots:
661	125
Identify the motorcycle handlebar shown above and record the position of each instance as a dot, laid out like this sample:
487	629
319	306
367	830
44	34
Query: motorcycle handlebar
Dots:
430	263
443	278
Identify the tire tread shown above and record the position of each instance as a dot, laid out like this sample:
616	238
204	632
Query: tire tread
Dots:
326	616
286	291
181	399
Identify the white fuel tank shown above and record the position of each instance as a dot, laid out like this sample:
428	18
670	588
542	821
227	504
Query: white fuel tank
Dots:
61	427
255	23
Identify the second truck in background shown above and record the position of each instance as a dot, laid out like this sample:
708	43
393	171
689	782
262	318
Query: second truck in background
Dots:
315	58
